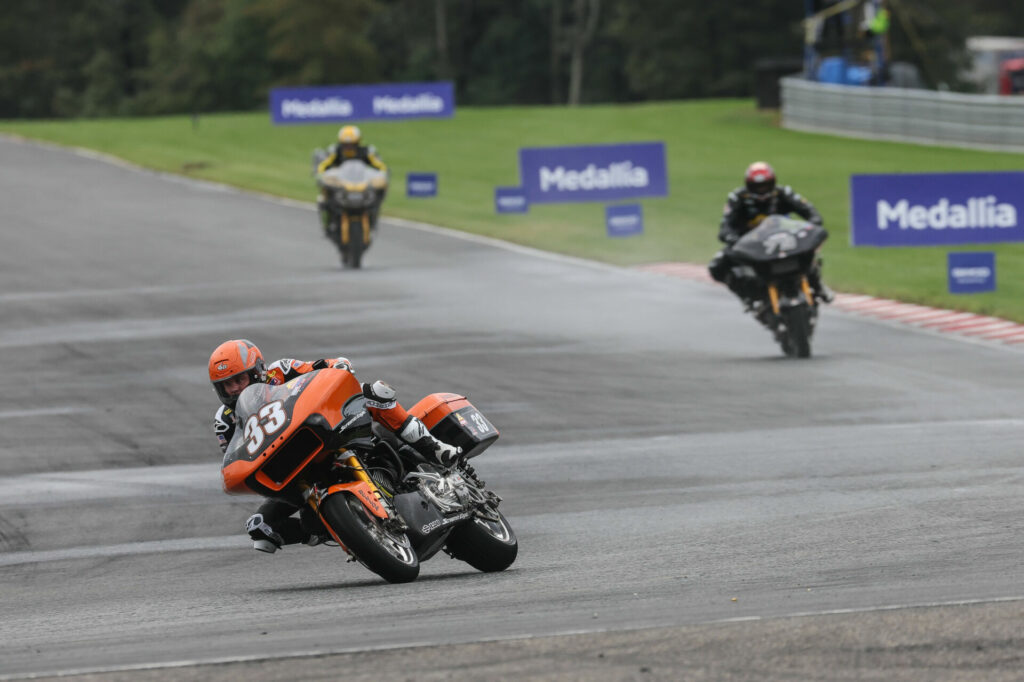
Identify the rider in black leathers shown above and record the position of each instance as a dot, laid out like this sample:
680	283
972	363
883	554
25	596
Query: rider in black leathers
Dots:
744	210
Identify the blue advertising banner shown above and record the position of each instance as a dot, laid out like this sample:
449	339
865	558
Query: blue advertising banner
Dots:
421	185
972	273
926	209
510	200
362	102
593	173
624	221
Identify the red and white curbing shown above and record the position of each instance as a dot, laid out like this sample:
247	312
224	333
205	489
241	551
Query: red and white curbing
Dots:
956	322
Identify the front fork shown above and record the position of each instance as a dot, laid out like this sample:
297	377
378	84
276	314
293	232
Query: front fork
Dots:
805	288
364	220
363	489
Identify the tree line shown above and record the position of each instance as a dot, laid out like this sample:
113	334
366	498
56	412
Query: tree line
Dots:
71	58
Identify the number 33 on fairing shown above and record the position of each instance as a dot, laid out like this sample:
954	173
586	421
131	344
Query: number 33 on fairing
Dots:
268	420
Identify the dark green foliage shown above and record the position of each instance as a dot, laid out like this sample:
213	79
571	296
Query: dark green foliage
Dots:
129	57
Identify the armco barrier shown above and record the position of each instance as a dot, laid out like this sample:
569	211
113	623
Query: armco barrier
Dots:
990	122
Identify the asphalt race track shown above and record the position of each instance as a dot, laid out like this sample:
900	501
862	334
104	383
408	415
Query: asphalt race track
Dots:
688	502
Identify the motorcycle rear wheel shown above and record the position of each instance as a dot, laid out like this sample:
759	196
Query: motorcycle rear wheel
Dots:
388	554
487	546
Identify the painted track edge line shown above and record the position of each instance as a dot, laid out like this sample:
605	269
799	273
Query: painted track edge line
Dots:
918	318
316	653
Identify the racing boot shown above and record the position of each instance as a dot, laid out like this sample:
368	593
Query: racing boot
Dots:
325	215
415	433
264	539
313	530
821	291
737	286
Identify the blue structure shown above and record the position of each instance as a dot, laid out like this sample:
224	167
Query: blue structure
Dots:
845	41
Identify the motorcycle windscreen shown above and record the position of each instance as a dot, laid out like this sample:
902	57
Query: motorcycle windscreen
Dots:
355	172
281	428
778	237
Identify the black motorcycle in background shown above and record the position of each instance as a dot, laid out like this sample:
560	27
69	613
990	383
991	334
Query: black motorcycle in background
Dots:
777	257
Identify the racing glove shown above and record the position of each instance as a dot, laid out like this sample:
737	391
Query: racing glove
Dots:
338	363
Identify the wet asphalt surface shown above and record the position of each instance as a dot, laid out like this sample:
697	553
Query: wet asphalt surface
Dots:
689	503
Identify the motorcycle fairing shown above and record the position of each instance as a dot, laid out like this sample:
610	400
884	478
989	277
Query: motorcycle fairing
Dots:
450	417
363	493
777	238
282	428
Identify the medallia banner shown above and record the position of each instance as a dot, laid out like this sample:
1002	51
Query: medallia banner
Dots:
593	173
510	200
362	102
624	220
421	184
927	209
971	273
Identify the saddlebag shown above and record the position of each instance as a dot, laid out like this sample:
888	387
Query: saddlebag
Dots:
453	419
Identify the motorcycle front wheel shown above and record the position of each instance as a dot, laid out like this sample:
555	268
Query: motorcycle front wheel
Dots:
352	252
798	330
387	553
485	544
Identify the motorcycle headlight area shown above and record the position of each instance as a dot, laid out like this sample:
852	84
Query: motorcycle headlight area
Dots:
781	267
331	181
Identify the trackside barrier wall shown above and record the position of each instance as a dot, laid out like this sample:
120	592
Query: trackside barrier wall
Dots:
991	122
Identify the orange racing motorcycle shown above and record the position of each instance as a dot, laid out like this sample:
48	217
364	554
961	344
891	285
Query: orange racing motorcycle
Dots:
311	441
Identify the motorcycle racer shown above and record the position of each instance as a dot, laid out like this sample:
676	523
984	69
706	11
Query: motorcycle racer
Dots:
348	147
237	363
744	210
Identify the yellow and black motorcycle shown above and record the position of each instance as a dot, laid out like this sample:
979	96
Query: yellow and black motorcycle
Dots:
350	194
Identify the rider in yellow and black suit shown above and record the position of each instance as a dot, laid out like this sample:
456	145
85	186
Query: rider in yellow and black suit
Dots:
744	210
347	148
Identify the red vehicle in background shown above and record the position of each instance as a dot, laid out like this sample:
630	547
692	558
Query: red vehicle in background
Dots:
1011	77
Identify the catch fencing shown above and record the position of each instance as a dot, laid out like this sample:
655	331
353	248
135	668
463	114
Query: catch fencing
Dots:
991	122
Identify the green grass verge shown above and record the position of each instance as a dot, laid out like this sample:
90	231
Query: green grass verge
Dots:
709	144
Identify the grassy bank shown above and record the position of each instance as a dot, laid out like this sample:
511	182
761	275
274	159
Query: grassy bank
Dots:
709	144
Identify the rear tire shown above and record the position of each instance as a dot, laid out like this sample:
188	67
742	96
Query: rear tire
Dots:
388	554
798	330
487	546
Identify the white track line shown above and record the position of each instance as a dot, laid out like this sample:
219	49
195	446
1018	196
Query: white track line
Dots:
335	651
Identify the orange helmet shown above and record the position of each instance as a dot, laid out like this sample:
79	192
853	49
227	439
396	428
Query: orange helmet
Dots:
232	358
